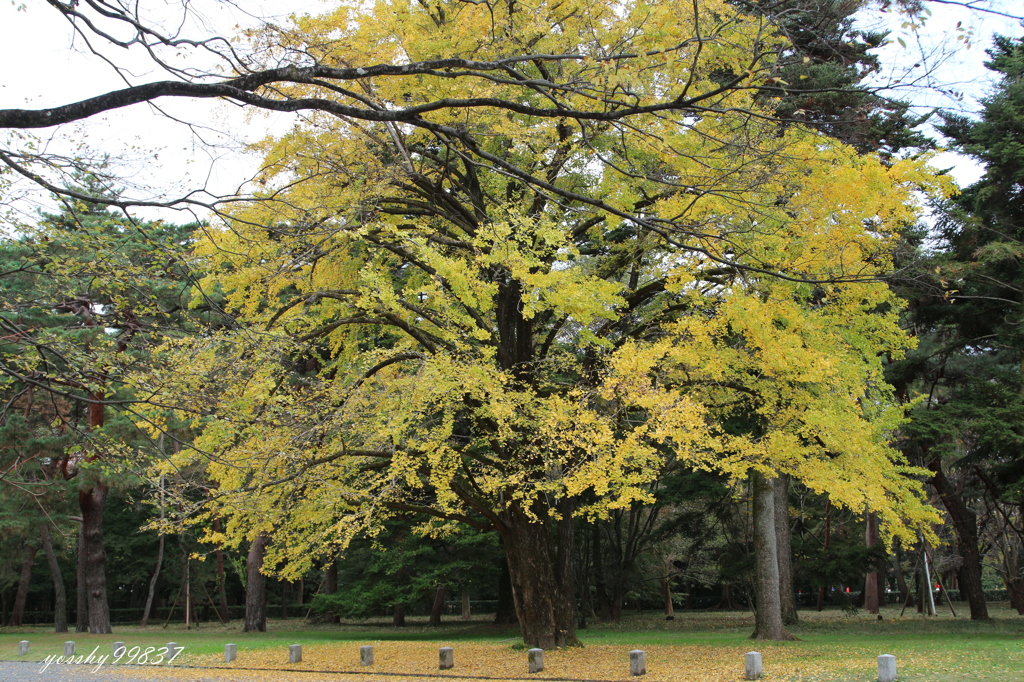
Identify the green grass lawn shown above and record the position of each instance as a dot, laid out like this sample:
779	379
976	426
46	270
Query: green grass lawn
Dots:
832	645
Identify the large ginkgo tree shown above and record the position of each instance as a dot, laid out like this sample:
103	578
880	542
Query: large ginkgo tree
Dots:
517	305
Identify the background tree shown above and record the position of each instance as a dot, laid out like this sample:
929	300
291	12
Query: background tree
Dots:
966	308
87	291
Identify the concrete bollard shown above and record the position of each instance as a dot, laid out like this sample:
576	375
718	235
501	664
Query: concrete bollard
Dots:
366	655
752	659
536	659
886	668
230	652
637	662
23	647
295	653
119	649
173	650
447	656
69	648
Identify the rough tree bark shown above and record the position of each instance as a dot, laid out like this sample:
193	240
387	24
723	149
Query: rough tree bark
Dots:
256	586
543	589
768	616
91	499
60	598
784	541
18	612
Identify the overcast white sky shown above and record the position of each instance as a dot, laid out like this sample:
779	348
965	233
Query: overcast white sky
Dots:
44	66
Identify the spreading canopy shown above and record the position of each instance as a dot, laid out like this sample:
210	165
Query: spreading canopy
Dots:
489	309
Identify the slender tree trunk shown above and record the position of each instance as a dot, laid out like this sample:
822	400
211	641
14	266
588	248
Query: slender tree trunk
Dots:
222	592
828	538
331	586
666	594
435	610
871	595
466	606
28	560
505	613
604	611
60	598
91	499
615	602
784	540
81	590
284	600
256	586
159	562
768	617
398	619
542	576
897	565
966	526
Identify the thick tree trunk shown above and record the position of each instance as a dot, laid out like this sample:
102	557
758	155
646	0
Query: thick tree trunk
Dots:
784	541
256	586
768	617
435	610
466	605
91	500
542	576
60	598
398	620
18	612
81	590
505	613
966	526
871	595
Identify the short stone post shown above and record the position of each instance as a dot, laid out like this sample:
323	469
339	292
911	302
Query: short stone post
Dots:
366	655
295	653
637	662
119	649
230	652
886	668
447	655
23	647
536	659
172	650
69	648
752	659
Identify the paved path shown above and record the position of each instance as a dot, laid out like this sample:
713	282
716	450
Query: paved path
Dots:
29	671
19	671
